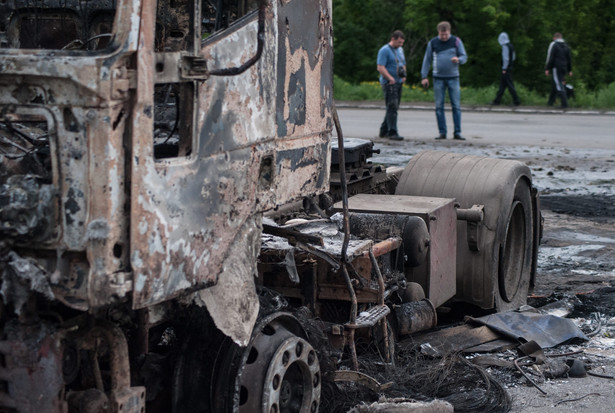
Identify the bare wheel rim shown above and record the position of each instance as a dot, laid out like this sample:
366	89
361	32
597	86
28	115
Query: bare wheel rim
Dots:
281	374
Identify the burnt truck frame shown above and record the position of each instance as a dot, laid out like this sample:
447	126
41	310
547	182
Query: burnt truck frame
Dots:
176	227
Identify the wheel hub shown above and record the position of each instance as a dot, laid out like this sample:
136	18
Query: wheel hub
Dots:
281	375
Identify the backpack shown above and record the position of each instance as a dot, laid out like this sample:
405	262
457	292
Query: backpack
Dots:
511	54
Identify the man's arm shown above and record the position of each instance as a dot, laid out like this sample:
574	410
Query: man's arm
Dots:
461	52
426	65
505	58
549	61
385	73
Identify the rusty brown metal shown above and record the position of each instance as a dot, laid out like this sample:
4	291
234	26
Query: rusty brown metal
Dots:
72	93
383	321
32	366
437	273
242	150
416	316
384	247
361	378
251	152
122	397
249	149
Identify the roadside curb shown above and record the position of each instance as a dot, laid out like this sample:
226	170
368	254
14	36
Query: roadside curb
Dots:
471	108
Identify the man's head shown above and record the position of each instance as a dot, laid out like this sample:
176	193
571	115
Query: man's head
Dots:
557	36
444	30
397	39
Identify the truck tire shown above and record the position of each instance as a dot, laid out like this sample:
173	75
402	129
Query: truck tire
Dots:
497	271
278	371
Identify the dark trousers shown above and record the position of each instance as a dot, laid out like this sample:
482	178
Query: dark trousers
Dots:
392	97
506	82
558	88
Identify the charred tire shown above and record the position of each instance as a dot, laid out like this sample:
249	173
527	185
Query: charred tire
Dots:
515	246
496	273
277	372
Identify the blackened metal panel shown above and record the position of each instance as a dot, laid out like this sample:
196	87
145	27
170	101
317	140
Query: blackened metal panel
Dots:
188	213
83	98
305	69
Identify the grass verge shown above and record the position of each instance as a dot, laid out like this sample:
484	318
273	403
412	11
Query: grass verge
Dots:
603	99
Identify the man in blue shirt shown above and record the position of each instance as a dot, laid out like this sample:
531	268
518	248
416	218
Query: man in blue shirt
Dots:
445	53
391	64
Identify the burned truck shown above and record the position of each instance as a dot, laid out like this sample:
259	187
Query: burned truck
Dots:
181	232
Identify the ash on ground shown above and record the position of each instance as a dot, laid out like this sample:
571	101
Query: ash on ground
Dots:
575	279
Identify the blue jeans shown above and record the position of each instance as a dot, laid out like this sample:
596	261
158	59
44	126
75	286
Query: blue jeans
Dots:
440	85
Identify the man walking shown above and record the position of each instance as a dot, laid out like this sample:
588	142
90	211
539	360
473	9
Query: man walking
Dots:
445	53
558	64
506	81
391	64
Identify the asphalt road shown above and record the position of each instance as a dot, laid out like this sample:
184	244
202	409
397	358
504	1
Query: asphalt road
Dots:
495	125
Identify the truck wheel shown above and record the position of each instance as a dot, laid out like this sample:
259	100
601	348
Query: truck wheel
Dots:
496	271
515	245
280	373
277	372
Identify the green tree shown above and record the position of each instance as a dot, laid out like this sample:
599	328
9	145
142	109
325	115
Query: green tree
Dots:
361	28
476	22
588	29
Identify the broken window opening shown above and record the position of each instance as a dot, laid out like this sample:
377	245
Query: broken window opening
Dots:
58	25
221	14
173	25
24	148
172	120
173	98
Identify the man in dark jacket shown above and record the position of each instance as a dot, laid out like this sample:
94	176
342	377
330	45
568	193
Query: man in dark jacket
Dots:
506	81
558	64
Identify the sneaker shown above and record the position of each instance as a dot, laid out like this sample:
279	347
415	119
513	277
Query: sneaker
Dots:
382	134
459	138
441	137
396	138
494	103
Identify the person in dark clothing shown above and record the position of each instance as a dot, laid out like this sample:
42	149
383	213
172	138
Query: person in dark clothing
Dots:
506	81
391	64
558	64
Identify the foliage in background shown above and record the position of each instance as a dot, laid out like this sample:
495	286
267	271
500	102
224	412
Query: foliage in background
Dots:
361	27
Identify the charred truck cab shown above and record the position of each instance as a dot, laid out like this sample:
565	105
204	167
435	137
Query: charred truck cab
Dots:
152	155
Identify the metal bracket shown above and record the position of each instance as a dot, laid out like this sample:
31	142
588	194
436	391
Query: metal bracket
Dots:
193	68
473	217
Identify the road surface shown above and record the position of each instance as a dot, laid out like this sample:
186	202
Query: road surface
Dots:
497	125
